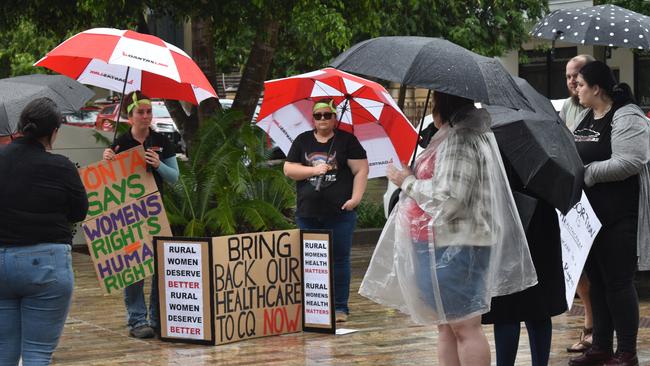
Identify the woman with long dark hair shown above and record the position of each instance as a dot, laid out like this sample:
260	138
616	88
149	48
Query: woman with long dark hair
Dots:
41	195
613	140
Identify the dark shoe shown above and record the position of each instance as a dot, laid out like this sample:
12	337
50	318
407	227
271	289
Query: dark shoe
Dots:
593	357
143	331
623	359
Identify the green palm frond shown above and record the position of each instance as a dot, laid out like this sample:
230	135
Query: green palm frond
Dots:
261	215
195	228
174	213
222	218
272	186
227	187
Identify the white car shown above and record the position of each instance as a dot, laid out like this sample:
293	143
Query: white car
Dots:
227	104
276	152
163	123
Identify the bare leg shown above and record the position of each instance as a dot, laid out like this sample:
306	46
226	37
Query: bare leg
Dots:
447	350
585	335
583	293
472	345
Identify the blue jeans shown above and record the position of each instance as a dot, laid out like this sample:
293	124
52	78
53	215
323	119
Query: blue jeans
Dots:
342	226
136	308
36	283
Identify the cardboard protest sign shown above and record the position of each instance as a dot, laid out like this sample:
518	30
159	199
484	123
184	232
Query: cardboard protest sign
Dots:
112	183
257	285
120	241
185	289
125	212
318	282
578	230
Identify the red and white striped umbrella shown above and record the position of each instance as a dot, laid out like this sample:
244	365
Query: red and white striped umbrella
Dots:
363	107
103	56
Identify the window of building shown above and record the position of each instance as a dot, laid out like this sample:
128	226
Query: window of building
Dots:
642	79
536	71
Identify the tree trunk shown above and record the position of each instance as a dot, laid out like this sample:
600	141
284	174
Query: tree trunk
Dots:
256	69
142	26
401	96
203	55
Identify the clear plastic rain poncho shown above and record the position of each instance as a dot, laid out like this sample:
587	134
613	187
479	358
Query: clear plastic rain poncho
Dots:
454	240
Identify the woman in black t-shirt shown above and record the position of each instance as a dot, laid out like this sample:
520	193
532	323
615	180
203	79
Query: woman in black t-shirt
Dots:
160	156
331	171
613	141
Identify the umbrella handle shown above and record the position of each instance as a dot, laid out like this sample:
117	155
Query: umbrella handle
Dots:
424	113
119	112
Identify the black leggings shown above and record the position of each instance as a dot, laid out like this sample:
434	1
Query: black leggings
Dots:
506	339
611	267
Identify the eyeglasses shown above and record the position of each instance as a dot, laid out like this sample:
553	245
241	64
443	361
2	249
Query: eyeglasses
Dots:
320	116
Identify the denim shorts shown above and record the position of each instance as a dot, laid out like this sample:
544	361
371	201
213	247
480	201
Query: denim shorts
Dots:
461	273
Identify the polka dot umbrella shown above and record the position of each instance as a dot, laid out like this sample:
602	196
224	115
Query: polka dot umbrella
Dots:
604	25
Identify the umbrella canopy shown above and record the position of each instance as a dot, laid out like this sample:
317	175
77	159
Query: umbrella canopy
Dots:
605	25
434	63
540	149
17	92
126	60
363	107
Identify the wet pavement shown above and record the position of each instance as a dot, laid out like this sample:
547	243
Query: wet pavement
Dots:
95	334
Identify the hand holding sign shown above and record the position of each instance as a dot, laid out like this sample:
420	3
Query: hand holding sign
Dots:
109	154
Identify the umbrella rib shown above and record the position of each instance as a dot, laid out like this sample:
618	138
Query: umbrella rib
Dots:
64	99
411	66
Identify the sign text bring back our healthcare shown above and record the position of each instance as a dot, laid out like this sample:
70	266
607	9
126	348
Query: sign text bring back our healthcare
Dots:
258	285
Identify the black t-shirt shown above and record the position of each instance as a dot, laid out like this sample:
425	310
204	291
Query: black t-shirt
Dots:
336	186
611	201
41	194
158	142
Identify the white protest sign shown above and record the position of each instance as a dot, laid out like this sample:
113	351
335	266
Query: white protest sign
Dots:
578	229
183	289
317	282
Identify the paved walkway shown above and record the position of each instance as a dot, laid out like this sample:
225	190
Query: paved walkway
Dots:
95	334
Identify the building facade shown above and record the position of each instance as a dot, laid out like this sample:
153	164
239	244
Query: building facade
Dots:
548	76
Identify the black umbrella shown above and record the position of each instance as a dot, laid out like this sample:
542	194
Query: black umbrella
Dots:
434	63
605	25
540	149
16	92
